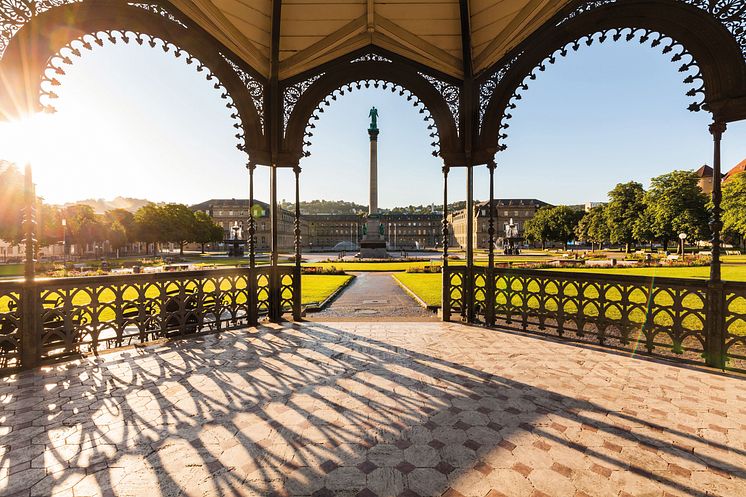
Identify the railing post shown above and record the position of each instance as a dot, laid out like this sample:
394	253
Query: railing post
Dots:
716	354
30	352
297	300
445	297
252	315
490	273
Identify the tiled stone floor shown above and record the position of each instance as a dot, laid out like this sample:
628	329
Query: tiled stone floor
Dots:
371	409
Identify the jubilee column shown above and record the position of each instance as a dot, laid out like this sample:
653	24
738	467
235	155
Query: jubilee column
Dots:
373	244
373	193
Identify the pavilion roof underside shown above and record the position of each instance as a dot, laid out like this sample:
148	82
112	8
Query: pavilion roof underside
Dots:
316	31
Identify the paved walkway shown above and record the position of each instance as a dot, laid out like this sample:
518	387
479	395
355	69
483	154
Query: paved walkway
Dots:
373	297
371	409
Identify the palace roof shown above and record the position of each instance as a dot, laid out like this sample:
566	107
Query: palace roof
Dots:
739	168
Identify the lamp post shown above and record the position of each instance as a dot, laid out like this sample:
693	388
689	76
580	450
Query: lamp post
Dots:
64	241
682	237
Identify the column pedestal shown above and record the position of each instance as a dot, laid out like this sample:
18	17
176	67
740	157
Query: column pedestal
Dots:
373	244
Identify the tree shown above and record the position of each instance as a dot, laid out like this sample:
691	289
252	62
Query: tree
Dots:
734	207
675	204
84	227
539	227
121	228
11	202
563	222
623	212
593	227
205	230
179	225
149	224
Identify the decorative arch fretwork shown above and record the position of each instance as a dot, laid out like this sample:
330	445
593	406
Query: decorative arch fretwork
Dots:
438	99
38	40
706	40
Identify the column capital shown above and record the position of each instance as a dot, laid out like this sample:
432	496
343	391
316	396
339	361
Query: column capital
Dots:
297	169
717	128
251	166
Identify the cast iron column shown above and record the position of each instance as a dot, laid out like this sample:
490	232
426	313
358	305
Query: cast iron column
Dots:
252	222
29	325
296	233
716	293
490	290
275	307
253	312
445	302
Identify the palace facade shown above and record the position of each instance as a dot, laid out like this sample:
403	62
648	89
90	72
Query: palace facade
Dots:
324	231
518	210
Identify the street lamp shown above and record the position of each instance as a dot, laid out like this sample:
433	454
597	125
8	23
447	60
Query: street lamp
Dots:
682	237
64	241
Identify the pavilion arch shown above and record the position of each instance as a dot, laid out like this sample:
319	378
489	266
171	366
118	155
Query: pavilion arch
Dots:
436	98
38	51
679	29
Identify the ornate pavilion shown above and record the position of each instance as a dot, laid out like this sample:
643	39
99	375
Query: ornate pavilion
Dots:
464	63
373	409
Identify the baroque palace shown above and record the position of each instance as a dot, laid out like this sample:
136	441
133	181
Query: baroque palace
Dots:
343	231
324	231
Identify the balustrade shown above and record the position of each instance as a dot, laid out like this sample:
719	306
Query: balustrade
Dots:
88	314
657	316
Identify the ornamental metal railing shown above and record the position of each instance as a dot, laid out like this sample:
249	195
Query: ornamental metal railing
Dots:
62	317
685	319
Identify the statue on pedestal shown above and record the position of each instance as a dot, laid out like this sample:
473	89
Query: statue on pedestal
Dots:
373	114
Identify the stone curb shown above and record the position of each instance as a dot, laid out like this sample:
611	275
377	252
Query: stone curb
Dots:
320	307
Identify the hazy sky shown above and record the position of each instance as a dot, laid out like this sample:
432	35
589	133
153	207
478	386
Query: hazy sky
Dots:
134	121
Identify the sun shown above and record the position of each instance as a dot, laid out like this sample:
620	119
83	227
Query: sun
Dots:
22	140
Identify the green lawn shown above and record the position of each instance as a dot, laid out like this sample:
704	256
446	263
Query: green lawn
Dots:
7	270
426	286
730	272
371	266
315	288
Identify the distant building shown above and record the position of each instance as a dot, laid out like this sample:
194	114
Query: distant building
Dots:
413	231
323	231
517	210
739	168
230	212
590	205
705	175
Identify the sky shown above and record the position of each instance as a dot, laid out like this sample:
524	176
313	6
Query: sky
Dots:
135	122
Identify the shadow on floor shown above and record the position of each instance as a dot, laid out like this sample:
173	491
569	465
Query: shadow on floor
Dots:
318	409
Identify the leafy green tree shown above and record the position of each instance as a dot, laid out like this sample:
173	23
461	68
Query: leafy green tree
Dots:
593	228
179	225
149	224
205	230
539	227
563	223
626	205
734	207
121	228
675	204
